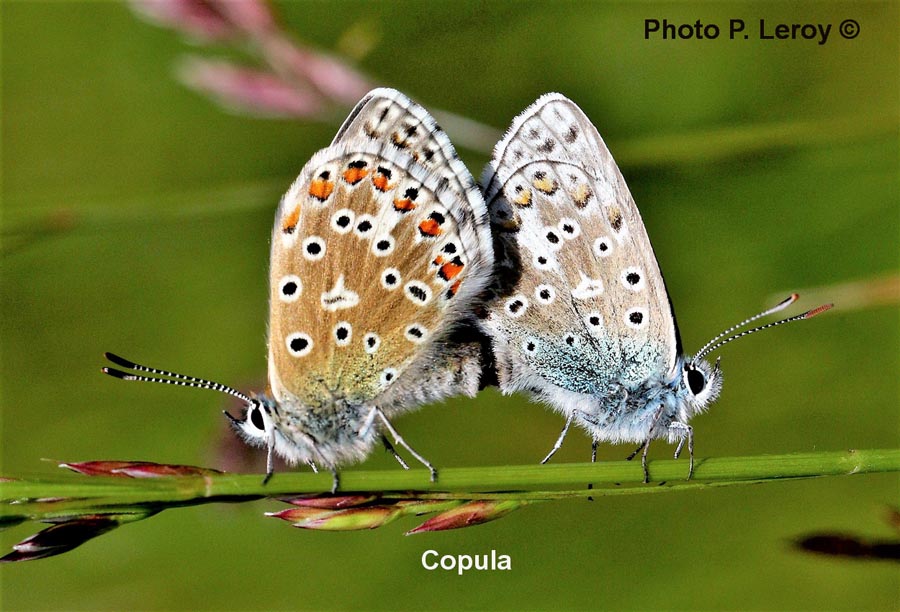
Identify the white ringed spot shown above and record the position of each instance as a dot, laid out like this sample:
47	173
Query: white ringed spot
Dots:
390	278
593	321
449	248
543	261
364	226
387	376
603	247
552	238
383	246
343	333
516	306
636	318
342	221
544	294
632	278
371	342
313	248
418	292
416	333
569	228
299	344
290	288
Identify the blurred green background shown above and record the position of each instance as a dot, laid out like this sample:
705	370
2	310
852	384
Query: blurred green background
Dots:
136	219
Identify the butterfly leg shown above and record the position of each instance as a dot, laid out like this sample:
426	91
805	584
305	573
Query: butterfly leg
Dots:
646	445
401	442
559	440
644	461
335	480
687	433
368	423
312	465
643	447
634	453
390	448
594	445
270	457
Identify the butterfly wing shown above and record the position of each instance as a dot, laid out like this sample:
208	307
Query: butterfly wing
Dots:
386	115
375	257
579	299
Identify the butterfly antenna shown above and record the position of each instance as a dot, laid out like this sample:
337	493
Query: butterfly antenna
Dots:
780	306
716	343
173	378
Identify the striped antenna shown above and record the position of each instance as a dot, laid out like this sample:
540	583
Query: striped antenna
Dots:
715	343
778	307
173	378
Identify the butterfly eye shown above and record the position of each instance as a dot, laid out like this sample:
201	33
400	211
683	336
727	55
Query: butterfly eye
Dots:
696	381
256	419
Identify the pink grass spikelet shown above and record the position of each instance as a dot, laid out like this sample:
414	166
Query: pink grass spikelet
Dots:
469	514
249	90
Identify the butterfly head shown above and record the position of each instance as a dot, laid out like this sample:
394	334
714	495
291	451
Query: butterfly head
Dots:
255	424
259	426
701	384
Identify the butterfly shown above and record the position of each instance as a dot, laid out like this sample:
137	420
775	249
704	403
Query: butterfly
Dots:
579	315
379	249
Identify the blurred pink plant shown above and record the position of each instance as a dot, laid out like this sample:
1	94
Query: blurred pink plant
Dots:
258	92
197	19
290	80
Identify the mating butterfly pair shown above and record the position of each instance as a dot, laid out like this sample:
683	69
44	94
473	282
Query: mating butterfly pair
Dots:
384	253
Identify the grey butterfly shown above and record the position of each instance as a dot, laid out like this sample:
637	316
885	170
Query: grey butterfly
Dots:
380	249
579	315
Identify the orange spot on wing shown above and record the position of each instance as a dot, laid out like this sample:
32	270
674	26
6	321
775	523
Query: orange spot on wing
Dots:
523	198
430	227
381	182
453	289
582	195
355	175
321	189
450	270
543	183
438	260
404	204
289	224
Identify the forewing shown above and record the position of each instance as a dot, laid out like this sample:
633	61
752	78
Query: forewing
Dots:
580	300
